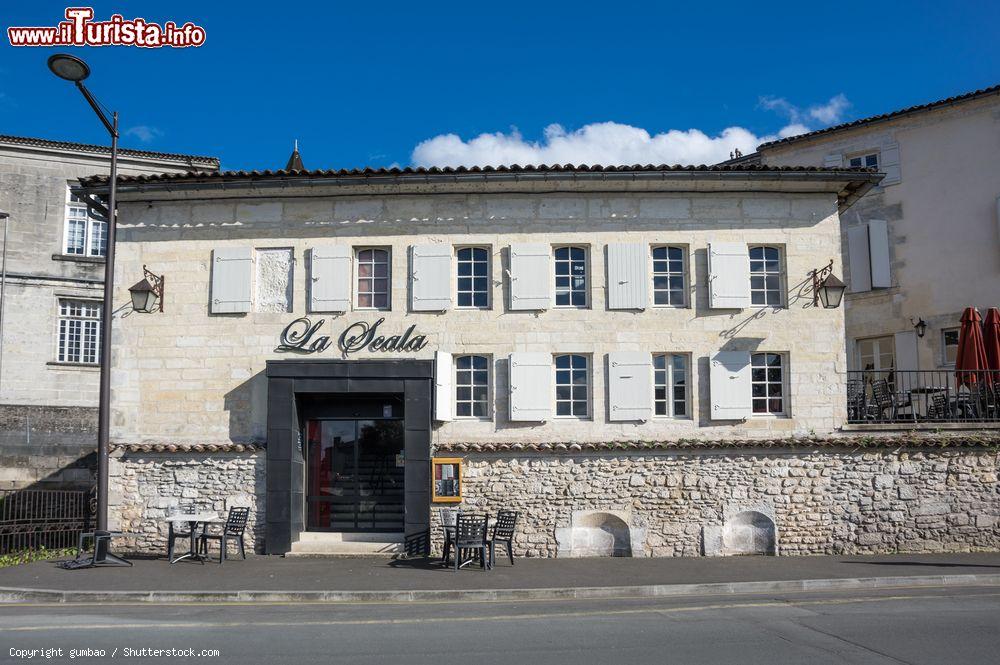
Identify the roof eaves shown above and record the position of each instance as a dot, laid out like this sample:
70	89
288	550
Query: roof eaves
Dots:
34	142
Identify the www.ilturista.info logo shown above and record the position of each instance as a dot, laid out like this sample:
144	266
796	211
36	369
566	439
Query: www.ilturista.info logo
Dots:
79	29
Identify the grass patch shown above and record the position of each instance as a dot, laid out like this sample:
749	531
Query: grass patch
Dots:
28	556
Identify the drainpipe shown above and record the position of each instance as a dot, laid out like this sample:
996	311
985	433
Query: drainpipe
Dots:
3	285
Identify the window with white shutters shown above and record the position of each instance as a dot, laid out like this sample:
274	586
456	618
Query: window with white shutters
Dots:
572	385
628	275
766	277
867	161
889	164
443	386
530	379
330	278
572	281
868	256
629	386
79	332
729	275
670	385
729	385
372	285
232	280
669	284
430	277
529	276
472	386
768	379
473	286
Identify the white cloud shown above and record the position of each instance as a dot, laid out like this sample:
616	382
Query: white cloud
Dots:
832	111
826	114
144	133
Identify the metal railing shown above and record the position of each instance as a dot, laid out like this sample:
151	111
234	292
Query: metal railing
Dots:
910	396
37	519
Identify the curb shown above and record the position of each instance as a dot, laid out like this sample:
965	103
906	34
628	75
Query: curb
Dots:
13	595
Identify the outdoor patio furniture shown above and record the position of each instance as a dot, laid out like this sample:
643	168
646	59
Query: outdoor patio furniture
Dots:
503	534
887	404
448	518
192	520
470	541
233	529
940	406
856	399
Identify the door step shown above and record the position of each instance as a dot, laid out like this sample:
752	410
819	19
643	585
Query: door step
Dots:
318	544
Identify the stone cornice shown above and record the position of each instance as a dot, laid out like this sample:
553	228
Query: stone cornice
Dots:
187	447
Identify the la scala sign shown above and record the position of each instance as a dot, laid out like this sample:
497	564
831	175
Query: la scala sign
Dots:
305	336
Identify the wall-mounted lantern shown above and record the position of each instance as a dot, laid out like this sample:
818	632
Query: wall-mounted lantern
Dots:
147	294
827	288
920	326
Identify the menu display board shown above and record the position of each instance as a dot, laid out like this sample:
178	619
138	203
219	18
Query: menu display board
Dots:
447	480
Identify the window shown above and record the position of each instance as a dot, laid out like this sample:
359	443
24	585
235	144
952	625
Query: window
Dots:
876	354
949	345
869	161
668	276
79	331
373	278
765	276
670	396
472	386
767	377
572	386
86	233
571	277
474	277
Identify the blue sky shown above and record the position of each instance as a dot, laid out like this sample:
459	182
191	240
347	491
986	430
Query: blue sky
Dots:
378	84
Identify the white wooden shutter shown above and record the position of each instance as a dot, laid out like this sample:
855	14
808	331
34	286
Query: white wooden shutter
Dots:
729	384
628	276
330	278
859	257
530	387
630	386
878	245
906	361
889	164
530	265
728	275
833	161
232	280
444	386
430	278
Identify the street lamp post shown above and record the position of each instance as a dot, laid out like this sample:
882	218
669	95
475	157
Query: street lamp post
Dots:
73	69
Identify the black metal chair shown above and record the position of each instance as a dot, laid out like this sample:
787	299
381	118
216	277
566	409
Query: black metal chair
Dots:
470	541
448	518
173	533
886	401
940	406
856	401
503	534
233	529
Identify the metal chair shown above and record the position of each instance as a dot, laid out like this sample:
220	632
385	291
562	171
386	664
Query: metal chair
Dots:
448	518
470	539
173	534
235	526
856	399
886	401
940	406
503	534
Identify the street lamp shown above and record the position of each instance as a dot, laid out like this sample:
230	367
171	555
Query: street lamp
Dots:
71	68
147	293
827	287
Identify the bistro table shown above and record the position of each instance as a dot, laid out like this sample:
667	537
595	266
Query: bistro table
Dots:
193	520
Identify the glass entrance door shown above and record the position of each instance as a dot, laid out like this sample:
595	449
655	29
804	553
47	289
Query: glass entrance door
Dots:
354	475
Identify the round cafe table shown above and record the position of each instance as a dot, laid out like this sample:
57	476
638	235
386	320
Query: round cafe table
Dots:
192	520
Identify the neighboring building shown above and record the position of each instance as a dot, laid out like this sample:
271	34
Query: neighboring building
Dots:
925	243
53	291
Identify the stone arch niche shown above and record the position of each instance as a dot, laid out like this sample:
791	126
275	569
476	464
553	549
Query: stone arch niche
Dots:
599	533
745	530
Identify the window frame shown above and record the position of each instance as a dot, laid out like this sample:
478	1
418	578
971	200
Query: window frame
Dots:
588	387
489	387
863	156
944	346
784	382
684	275
670	385
586	276
782	289
357	279
90	221
489	278
62	358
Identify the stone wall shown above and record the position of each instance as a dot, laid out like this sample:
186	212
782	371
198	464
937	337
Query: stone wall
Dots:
822	502
47	447
148	486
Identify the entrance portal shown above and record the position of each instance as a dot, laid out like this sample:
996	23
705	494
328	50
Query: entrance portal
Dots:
354	474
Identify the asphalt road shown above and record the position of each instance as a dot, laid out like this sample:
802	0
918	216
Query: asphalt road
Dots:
914	625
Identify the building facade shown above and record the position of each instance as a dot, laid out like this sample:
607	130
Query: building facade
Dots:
925	243
53	289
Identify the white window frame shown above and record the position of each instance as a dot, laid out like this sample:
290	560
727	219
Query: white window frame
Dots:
92	315
780	274
357	278
783	382
670	385
683	275
489	277
863	157
91	228
945	345
458	384
586	276
877	342
587	387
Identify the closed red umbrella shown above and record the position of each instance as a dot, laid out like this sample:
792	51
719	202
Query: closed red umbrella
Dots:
971	360
991	340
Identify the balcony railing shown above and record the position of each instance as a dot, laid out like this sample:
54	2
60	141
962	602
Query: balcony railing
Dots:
922	397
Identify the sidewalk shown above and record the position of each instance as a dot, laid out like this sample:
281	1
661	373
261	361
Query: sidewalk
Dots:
346	579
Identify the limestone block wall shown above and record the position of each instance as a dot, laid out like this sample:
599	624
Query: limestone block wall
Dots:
148	486
822	502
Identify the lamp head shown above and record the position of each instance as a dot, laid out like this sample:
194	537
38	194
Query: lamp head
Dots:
68	67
